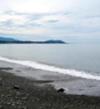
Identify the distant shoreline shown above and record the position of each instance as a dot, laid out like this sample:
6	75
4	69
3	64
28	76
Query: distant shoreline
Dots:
5	40
34	43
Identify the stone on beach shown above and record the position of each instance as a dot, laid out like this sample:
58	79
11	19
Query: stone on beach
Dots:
16	87
61	90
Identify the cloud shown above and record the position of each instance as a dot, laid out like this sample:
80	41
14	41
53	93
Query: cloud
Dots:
39	6
14	18
23	31
27	22
50	18
19	24
54	24
53	21
91	22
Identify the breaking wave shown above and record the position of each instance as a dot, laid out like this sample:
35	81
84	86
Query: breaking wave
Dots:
51	68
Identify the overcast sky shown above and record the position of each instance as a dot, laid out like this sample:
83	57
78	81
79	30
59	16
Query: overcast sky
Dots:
40	19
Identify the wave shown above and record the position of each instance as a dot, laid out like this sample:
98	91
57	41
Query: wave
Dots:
50	68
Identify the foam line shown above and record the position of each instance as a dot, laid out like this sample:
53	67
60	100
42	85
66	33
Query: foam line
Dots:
50	68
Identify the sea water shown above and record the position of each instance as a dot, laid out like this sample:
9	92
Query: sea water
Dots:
78	60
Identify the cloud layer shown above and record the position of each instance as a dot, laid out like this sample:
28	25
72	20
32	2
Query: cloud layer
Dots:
55	18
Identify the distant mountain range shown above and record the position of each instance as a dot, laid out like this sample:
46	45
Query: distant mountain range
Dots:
8	40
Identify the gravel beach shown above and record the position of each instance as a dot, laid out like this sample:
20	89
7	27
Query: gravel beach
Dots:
22	93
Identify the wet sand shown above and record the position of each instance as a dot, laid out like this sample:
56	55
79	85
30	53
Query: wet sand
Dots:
23	93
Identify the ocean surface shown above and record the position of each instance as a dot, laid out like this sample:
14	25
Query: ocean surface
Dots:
78	60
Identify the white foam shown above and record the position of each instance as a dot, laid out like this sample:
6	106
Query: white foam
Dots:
50	68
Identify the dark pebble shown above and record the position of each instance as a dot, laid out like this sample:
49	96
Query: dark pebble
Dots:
61	90
16	87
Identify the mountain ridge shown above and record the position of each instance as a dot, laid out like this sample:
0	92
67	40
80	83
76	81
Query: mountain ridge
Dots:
10	40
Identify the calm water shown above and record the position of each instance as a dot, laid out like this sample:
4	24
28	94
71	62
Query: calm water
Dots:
72	56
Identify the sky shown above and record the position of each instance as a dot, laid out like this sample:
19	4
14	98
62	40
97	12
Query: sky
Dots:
45	19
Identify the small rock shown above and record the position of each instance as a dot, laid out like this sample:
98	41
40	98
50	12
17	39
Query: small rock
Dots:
61	90
16	87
